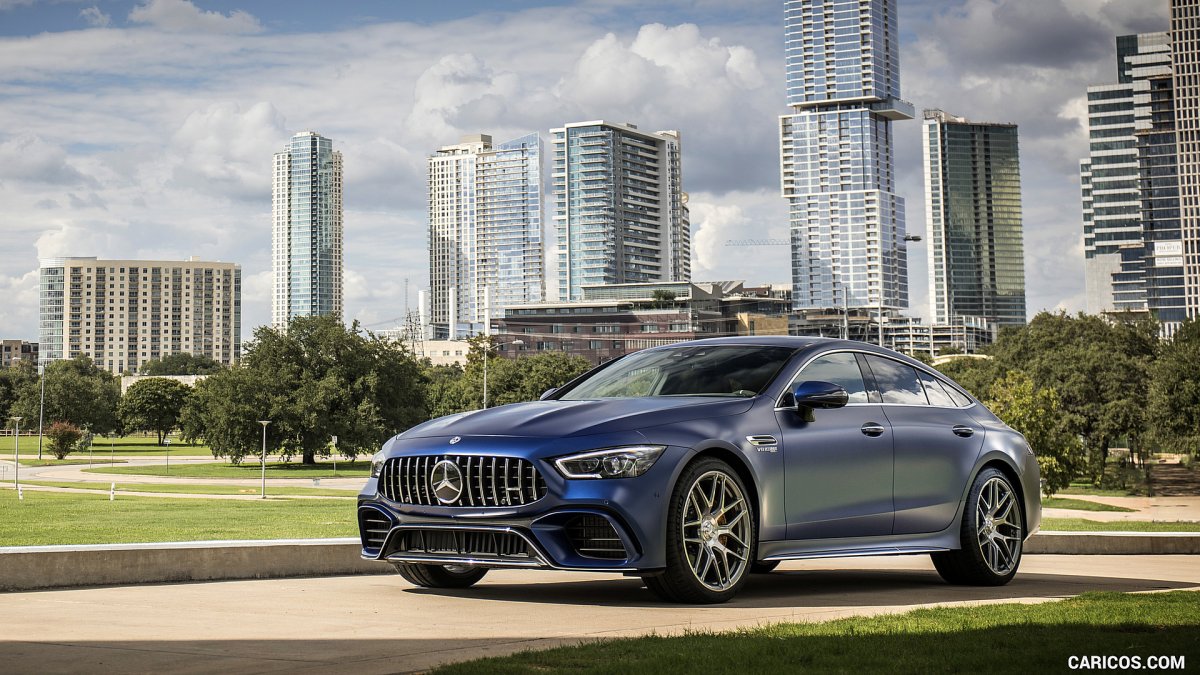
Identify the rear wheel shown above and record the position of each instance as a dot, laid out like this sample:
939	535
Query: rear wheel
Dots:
992	533
710	536
441	576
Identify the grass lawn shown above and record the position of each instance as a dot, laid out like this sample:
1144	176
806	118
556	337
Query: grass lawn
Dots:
248	469
1006	638
69	461
192	489
146	446
1080	505
45	518
1081	525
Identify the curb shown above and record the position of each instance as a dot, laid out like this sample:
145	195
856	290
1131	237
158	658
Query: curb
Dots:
1114	543
24	568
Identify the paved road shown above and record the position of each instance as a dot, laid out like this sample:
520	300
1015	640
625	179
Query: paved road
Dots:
379	624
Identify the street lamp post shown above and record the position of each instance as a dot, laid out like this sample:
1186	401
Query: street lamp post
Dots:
168	442
16	455
264	424
41	405
907	238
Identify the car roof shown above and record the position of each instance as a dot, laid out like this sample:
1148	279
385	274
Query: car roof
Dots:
798	342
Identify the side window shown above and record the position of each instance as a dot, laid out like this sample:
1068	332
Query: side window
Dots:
840	369
934	390
897	382
960	399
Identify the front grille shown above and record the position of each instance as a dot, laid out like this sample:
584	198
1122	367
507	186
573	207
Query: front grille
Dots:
477	544
373	526
594	537
486	481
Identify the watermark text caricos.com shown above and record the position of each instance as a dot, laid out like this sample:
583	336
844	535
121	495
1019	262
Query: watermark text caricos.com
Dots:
1109	662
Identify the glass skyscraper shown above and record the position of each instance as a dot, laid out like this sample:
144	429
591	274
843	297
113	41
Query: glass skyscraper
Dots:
836	148
620	210
1130	187
1185	55
306	215
485	231
973	220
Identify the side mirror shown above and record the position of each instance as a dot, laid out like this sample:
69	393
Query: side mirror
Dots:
546	394
816	394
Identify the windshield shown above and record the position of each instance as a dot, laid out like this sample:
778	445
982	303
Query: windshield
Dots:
725	370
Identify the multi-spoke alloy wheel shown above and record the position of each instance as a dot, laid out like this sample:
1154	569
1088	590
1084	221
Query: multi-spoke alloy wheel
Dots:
710	536
992	532
716	525
999	535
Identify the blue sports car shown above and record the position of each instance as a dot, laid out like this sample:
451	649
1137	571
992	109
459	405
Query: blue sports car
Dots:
696	464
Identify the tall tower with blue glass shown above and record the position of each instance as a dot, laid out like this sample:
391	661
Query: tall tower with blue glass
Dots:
836	147
306	216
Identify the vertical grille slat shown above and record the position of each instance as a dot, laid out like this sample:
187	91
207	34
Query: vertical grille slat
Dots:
487	481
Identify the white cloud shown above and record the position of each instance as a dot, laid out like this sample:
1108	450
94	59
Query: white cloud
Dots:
226	152
94	17
718	219
30	159
181	16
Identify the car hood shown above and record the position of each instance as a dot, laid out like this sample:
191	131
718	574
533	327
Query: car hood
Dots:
577	418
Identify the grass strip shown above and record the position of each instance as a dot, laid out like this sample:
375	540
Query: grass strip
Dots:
48	518
1004	638
1081	525
194	489
121	445
1081	505
360	469
68	462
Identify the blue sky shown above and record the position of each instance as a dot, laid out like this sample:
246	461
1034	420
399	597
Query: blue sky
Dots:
145	128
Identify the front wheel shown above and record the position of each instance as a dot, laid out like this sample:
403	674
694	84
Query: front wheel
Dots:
441	576
710	536
992	533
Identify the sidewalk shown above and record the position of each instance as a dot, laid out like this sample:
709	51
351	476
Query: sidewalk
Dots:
1148	509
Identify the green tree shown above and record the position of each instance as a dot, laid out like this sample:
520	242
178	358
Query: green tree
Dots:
182	363
1173	407
316	380
974	374
223	410
12	379
77	392
153	404
1099	370
62	437
1036	413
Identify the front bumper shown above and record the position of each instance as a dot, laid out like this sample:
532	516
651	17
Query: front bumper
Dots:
613	525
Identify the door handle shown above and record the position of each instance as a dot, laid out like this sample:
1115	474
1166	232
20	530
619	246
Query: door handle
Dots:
964	431
873	429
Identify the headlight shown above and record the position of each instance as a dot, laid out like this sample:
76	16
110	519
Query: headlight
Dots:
377	464
629	461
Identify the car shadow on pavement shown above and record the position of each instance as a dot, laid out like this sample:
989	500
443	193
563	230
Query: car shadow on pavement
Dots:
813	589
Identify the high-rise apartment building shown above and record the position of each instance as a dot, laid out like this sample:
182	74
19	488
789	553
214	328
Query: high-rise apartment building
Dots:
13	352
836	150
1130	188
1185	54
306	221
620	211
485	231
122	313
973	220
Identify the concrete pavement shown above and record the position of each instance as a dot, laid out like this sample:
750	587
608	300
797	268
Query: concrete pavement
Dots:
374	624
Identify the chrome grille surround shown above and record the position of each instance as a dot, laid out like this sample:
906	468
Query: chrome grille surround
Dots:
487	481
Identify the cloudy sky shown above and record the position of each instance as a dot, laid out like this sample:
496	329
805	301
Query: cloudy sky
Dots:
145	128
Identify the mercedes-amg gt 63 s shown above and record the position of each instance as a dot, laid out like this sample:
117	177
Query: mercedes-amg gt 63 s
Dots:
697	464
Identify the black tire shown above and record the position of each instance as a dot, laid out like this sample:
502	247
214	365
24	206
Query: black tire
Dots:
678	582
982	559
764	567
440	576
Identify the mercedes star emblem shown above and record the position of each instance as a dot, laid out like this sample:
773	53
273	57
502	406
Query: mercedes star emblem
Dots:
455	440
446	481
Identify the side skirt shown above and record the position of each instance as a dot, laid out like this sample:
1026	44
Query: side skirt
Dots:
948	539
